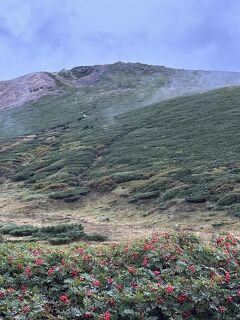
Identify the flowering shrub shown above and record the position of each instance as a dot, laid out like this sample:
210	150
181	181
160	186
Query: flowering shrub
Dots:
166	277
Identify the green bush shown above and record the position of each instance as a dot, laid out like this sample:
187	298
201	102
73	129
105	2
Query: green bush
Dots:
6	229
70	195
56	234
61	228
143	196
182	173
196	198
72	198
173	193
229	199
5	171
127	176
23	175
23	231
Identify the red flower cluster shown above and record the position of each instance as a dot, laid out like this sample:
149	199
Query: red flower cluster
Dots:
132	270
107	316
51	271
192	268
64	298
39	262
221	309
169	289
145	261
111	302
148	247
74	273
109	280
227	277
119	287
229	299
96	283
28	271
25	309
160	300
182	298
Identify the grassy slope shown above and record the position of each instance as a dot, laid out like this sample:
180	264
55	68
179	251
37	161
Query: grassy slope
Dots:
185	149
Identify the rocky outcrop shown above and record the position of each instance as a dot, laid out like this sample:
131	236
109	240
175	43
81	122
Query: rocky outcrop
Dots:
31	87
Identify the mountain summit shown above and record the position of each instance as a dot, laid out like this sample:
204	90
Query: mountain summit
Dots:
164	82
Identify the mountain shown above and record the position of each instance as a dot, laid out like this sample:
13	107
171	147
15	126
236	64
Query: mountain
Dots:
158	81
153	140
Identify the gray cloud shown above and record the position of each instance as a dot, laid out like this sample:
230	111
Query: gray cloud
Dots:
54	34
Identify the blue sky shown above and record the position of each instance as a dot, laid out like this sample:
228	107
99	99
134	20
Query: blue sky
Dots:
49	35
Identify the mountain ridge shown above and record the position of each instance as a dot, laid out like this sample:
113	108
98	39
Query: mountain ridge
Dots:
168	81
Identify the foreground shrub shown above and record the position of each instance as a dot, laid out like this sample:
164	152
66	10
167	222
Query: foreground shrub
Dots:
166	277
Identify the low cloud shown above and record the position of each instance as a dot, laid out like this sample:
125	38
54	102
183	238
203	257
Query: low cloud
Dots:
55	34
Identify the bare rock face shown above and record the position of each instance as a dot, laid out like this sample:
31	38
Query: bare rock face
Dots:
31	87
83	75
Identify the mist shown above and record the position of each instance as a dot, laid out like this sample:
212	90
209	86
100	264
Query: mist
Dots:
179	83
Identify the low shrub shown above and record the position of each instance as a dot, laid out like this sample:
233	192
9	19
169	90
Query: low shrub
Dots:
5	171
57	234
23	231
143	196
72	198
196	198
235	210
154	184
23	175
173	193
104	184
182	173
229	199
70	195
127	176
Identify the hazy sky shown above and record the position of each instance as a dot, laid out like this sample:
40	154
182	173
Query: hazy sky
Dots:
54	34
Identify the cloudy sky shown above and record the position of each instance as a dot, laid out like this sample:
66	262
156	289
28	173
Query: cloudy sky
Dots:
55	34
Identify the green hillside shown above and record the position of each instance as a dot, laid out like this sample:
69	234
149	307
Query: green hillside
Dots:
183	150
